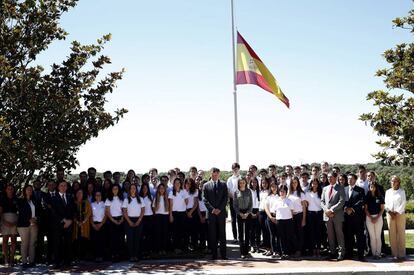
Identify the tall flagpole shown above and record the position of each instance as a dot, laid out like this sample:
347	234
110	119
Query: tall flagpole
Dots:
236	127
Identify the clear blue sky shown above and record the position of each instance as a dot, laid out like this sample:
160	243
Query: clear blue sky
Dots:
178	81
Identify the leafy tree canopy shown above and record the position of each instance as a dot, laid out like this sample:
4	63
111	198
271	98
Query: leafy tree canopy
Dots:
46	117
394	119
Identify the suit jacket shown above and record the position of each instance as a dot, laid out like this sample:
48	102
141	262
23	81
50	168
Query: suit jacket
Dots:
25	213
61	211
355	201
335	202
215	199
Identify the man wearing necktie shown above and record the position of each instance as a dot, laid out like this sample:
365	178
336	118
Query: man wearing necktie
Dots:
215	196
332	203
354	218
63	209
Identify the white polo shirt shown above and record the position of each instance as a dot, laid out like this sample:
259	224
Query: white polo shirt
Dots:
178	200
313	200
297	202
133	208
271	203
263	196
114	206
98	211
284	209
161	207
255	199
191	198
148	209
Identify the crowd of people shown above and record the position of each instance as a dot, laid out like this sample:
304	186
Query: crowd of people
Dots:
281	215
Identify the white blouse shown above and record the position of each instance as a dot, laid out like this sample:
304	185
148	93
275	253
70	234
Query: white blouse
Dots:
32	207
313	200
284	209
133	208
161	207
148	209
179	200
271	203
297	202
191	197
263	196
395	200
114	206
98	211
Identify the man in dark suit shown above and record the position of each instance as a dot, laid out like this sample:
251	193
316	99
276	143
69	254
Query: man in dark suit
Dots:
332	203
47	204
354	218
215	198
62	209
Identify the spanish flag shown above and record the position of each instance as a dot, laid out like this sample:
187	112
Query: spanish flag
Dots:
251	70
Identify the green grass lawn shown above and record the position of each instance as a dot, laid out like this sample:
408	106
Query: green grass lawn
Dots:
409	243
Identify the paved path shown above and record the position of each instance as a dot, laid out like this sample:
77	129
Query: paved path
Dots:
258	264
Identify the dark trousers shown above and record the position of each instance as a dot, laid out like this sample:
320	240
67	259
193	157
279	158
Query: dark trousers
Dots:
147	233
179	234
243	227
203	231
287	239
133	239
98	240
161	231
217	233
80	247
264	229
50	254
117	241
40	243
315	224
255	230
192	226
233	219
274	238
354	227
299	231
62	244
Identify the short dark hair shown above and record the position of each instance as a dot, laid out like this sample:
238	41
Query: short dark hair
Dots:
353	176
272	166
91	169
361	167
215	170
253	167
305	174
235	165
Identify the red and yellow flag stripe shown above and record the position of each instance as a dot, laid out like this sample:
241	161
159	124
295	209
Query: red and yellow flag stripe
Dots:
251	70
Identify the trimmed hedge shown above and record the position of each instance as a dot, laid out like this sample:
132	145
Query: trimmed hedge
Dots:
409	208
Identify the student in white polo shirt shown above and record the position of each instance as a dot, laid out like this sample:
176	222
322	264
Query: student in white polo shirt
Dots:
178	206
315	216
232	182
264	192
148	220
133	210
161	207
271	220
192	212
113	210
297	196
97	225
284	217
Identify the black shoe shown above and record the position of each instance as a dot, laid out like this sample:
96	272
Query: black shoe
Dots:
235	241
214	257
340	258
224	258
25	265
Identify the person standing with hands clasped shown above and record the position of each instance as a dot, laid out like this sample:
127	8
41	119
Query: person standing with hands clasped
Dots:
395	202
215	198
243	205
332	203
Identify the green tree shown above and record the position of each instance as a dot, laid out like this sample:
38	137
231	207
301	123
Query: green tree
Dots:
394	119
46	117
